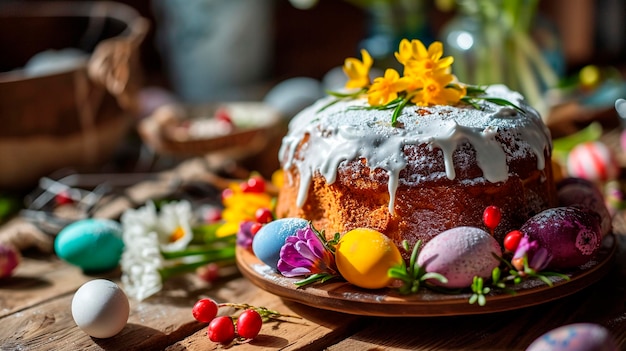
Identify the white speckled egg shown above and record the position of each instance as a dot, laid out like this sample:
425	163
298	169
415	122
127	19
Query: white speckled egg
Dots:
459	254
271	237
575	337
100	308
95	245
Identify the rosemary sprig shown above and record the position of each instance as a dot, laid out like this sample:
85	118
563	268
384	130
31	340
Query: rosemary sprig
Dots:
503	283
414	275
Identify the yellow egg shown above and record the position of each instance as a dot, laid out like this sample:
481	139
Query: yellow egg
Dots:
364	256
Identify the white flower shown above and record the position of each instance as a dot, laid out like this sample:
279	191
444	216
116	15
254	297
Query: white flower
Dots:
141	262
172	225
146	234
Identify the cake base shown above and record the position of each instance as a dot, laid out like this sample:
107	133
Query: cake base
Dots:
341	296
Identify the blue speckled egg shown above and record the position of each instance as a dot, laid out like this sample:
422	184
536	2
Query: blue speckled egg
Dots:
575	337
95	245
271	237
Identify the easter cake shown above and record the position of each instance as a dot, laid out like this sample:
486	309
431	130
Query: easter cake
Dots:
412	169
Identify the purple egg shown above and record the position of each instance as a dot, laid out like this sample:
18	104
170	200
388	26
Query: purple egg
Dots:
571	235
580	192
459	254
575	337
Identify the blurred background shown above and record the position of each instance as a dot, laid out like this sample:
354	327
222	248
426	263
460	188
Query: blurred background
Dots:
139	85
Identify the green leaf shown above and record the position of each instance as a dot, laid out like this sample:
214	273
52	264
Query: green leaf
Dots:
397	111
432	275
346	95
473	90
503	102
315	278
473	299
495	274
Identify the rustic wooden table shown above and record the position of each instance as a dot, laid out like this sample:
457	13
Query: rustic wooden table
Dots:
35	313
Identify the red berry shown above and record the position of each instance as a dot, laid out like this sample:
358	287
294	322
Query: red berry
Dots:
63	198
255	228
212	215
204	310
222	115
263	215
209	273
492	216
221	329
254	184
249	324
512	239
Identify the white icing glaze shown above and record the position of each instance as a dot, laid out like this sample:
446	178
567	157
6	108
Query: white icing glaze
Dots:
347	131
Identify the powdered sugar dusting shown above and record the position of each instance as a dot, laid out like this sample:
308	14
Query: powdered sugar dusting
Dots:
349	130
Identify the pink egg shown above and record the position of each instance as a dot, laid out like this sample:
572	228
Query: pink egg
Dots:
459	254
578	337
592	160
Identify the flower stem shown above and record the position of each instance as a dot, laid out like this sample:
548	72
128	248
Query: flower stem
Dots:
226	251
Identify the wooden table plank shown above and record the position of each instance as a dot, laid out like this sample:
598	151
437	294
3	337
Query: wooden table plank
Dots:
37	280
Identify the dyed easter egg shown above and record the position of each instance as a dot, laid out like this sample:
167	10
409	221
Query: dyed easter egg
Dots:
10	257
575	337
592	160
571	235
364	256
100	308
271	237
459	254
583	193
95	245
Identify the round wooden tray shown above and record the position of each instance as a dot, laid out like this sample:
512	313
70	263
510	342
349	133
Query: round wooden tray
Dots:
344	297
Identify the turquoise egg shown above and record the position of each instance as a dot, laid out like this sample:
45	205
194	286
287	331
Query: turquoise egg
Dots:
271	237
94	245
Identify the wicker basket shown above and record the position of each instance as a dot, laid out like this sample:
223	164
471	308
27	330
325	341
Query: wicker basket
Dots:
74	117
163	131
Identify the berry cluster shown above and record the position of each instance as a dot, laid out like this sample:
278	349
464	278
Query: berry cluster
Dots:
224	329
228	329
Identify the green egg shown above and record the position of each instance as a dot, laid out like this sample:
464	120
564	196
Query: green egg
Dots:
94	245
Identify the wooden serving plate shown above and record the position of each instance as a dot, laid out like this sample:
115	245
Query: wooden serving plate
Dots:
338	295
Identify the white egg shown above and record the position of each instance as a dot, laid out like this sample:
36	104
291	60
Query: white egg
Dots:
100	308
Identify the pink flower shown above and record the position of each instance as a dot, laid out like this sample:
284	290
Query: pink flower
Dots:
305	253
537	256
244	234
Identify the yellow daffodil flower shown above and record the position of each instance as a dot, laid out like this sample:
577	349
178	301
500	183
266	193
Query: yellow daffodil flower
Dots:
386	88
437	90
358	71
240	206
418	60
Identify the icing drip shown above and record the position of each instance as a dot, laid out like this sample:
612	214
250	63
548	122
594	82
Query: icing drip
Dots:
346	131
